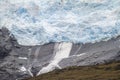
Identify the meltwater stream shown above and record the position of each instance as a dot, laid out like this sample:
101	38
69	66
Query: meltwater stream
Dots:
34	60
61	51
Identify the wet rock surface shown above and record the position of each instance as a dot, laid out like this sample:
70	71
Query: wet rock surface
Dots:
18	62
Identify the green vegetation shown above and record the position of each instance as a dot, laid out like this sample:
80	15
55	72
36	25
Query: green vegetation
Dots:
109	71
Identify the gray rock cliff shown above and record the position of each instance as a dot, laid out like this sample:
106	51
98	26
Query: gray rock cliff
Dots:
18	61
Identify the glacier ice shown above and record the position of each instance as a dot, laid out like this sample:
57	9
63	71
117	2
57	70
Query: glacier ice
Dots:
36	22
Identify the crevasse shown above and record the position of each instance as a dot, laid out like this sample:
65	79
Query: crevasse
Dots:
36	22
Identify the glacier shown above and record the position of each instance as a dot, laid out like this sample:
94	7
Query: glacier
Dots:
37	22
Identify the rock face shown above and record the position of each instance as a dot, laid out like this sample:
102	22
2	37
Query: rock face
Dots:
18	62
5	44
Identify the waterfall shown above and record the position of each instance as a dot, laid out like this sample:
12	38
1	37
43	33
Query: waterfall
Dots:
61	51
29	63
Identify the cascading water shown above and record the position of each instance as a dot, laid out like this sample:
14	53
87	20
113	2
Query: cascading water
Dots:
62	50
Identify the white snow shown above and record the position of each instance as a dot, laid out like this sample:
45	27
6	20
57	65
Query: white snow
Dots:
23	69
25	58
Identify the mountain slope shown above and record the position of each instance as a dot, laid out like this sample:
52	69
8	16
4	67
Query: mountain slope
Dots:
109	71
21	62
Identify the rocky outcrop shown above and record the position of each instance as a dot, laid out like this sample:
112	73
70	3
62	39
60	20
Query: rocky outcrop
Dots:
5	43
8	69
18	61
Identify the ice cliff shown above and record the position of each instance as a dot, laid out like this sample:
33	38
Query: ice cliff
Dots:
36	22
